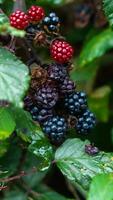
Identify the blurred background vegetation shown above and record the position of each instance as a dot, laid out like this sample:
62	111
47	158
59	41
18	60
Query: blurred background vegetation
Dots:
85	27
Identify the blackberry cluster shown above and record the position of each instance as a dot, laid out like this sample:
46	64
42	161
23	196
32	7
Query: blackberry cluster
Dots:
46	96
86	121
55	128
57	72
53	100
76	102
51	23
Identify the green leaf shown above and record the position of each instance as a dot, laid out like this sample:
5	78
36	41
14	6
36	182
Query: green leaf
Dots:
2	1
19	194
25	126
31	132
5	27
80	167
10	161
3	19
3	147
7	124
108	8
13	31
101	187
99	103
3	174
32	180
112	135
48	2
42	149
14	78
52	196
96	47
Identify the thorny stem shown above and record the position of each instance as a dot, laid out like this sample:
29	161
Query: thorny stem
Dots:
72	190
28	190
3	188
11	46
81	190
1	11
33	53
19	176
19	5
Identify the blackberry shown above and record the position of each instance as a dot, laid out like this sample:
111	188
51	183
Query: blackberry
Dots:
57	72
19	20
31	107
67	86
28	103
55	128
86	122
32	30
46	96
91	149
44	114
38	114
76	102
51	23
35	14
61	51
34	113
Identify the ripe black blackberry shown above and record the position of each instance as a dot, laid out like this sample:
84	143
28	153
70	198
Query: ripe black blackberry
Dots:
67	86
28	103
51	23
34	113
55	128
38	114
32	30
85	122
57	72
44	115
91	150
76	102
46	96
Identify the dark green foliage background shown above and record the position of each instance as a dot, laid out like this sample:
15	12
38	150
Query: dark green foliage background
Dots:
28	148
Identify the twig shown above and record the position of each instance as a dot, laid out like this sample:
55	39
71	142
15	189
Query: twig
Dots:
1	11
19	5
81	190
3	188
32	52
29	190
19	176
72	190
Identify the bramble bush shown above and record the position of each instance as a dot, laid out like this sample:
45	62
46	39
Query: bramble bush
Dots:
56	93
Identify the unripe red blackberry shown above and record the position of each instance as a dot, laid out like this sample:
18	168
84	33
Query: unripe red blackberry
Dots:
36	14
61	51
19	20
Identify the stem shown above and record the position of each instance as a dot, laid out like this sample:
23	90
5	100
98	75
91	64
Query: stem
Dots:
28	190
72	190
19	5
33	53
19	176
81	190
1	11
